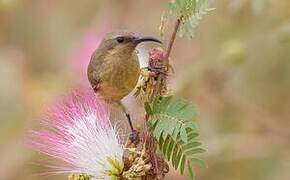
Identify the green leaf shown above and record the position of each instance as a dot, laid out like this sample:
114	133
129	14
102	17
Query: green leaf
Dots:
169	150
183	135
182	164
148	108
165	145
192	135
174	117
158	131
176	131
196	151
175	161
201	163
171	123
191	12
191	145
191	173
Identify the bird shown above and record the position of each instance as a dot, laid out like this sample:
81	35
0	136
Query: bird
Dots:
114	69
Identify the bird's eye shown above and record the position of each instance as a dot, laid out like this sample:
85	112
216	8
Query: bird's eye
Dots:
120	39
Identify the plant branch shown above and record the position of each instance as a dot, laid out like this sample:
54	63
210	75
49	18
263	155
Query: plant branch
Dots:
172	38
158	87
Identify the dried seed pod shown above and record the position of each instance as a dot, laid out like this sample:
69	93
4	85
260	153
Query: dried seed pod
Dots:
156	60
158	64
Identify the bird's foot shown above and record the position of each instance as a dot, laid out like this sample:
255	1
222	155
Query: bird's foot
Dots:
134	137
157	71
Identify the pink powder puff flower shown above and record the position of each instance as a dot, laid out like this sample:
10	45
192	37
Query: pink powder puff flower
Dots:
78	132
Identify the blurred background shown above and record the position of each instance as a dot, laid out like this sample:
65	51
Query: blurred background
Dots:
236	71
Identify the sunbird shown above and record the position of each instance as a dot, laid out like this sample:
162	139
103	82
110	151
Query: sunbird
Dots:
114	69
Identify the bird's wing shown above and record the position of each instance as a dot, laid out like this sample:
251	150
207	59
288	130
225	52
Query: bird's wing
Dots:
95	71
96	81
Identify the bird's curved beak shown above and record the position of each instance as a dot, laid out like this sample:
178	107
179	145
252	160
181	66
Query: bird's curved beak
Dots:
147	38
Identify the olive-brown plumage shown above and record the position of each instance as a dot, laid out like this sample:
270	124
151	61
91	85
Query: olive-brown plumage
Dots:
114	68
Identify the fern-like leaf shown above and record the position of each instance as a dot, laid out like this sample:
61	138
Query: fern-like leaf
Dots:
171	123
173	117
191	12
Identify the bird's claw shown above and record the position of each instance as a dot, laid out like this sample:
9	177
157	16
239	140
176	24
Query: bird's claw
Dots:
157	70
134	137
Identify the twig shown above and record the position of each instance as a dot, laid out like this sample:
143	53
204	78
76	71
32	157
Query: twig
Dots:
172	39
157	87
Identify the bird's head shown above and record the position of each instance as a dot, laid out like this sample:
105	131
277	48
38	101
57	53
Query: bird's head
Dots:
123	42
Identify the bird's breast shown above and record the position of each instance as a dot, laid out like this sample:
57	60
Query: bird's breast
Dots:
120	77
